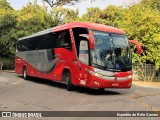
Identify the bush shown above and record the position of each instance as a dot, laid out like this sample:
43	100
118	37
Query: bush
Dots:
8	64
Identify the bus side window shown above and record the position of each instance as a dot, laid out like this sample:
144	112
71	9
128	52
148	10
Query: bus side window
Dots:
77	38
19	44
42	42
29	45
34	43
22	45
52	39
65	40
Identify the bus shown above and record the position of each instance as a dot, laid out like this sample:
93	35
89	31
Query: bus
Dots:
78	54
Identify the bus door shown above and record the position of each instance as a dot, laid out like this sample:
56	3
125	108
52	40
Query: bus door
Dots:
82	64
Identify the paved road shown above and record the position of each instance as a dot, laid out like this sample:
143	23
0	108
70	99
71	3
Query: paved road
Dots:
36	94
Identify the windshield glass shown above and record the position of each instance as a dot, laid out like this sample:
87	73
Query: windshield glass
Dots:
111	52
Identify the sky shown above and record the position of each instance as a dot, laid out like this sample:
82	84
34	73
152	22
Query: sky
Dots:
82	6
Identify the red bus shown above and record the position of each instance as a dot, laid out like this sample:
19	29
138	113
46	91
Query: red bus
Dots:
78	54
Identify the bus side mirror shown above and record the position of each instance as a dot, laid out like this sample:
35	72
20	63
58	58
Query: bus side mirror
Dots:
84	35
138	46
66	45
89	38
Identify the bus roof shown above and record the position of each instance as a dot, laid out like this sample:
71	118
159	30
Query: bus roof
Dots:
93	26
89	25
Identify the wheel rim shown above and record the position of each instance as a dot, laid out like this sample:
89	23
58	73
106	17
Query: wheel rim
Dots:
67	78
24	74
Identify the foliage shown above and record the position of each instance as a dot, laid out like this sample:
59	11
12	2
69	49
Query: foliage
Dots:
142	24
141	21
31	19
145	72
5	5
8	64
64	15
7	29
55	3
112	15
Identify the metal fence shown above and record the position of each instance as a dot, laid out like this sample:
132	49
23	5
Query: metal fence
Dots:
146	72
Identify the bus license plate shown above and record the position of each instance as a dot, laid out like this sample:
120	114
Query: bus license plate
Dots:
115	84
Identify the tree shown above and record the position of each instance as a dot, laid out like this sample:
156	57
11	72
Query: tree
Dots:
58	3
55	3
92	15
31	19
141	23
64	15
5	5
153	4
7	25
112	15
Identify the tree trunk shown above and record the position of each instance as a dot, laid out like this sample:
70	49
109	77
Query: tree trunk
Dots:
44	5
35	1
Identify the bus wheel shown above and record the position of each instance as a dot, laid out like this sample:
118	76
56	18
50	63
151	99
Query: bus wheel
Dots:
25	77
101	89
67	79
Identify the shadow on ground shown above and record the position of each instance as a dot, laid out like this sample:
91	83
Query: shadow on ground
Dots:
78	89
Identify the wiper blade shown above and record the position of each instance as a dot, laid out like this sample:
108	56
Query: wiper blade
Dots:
98	65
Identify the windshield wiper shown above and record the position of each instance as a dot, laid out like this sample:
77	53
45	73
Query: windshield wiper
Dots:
99	66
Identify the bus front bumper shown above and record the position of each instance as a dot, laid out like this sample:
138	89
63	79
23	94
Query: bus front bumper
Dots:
119	80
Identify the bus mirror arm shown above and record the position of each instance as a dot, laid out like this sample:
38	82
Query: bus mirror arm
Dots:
138	46
84	35
65	44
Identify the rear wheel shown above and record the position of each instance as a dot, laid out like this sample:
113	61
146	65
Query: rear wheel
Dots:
25	77
67	79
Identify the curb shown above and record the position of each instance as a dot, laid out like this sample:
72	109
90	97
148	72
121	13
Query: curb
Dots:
9	71
145	83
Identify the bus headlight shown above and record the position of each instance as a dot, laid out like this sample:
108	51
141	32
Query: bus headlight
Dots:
94	73
130	76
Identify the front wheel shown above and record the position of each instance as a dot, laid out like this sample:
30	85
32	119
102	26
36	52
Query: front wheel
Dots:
67	79
101	89
25	77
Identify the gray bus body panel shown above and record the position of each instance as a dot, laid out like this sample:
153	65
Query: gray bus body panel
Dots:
41	60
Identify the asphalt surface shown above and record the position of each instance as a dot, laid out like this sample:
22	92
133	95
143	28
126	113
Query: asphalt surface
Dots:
37	94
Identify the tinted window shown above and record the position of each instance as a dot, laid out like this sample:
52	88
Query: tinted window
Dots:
22	45
78	38
65	40
48	41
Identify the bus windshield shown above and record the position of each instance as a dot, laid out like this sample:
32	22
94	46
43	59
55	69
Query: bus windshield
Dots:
111	52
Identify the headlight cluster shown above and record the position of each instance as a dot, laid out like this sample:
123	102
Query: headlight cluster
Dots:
94	73
109	77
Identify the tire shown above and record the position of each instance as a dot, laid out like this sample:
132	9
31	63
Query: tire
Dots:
67	79
101	89
25	77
